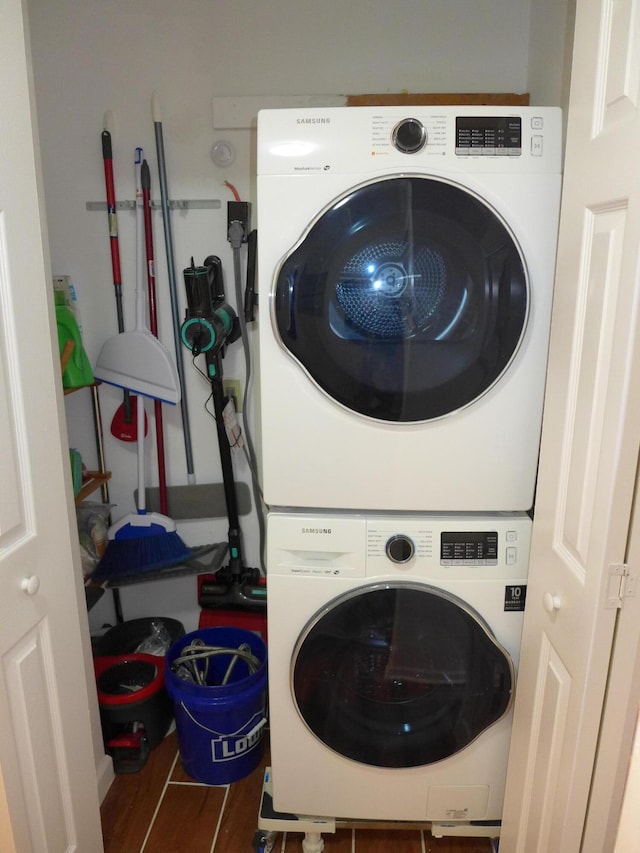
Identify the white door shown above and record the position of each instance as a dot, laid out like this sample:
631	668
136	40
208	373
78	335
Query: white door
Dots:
48	789
590	443
619	720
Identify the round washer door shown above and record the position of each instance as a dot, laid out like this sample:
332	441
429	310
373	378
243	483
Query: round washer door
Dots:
406	299
399	675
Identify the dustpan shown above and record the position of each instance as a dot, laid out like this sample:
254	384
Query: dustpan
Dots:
139	362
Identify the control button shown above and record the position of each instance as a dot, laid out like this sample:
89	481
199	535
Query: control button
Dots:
512	555
537	123
409	136
536	146
400	549
511	536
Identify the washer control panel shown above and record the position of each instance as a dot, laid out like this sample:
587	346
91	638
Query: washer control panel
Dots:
459	546
450	546
477	548
400	548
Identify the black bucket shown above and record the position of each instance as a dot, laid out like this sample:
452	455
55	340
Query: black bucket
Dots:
124	639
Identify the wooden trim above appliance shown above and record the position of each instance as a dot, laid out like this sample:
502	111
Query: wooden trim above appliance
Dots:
410	99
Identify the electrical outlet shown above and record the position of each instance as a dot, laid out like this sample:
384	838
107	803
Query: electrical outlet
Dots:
233	388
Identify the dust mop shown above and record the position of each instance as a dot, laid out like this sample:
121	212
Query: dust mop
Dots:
144	541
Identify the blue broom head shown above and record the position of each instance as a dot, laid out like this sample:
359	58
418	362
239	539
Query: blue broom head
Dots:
141	551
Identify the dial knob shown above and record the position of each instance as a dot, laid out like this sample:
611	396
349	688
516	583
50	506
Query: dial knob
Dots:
400	549
409	136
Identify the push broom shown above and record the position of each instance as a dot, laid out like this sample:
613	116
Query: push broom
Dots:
141	542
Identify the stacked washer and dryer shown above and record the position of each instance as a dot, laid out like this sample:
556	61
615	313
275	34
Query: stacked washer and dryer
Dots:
406	265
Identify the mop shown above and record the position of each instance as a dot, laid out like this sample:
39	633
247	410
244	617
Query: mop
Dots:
144	541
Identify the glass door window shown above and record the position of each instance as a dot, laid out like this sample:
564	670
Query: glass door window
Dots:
400	675
405	301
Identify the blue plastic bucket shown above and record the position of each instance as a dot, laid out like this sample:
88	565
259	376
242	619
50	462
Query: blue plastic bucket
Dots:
220	726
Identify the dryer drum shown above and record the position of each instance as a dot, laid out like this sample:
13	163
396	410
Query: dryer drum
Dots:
406	299
400	676
387	292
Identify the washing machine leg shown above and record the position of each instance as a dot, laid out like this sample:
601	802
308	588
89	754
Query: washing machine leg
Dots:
312	843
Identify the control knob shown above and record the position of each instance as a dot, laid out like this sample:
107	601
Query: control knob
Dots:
399	548
409	136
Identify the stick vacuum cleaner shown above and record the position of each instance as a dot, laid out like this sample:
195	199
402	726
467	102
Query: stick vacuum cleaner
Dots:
209	327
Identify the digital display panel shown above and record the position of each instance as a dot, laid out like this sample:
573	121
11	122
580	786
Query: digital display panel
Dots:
489	134
459	548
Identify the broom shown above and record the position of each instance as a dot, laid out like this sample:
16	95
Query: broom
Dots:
141	542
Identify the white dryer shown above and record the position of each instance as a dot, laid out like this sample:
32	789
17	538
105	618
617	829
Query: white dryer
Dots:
393	647
405	263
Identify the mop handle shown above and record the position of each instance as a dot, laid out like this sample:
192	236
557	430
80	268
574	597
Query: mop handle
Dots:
145	180
173	291
140	324
141	302
142	497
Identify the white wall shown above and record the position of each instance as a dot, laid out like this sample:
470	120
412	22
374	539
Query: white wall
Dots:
91	56
550	48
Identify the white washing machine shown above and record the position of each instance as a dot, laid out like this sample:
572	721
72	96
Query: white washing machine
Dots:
406	263
393	647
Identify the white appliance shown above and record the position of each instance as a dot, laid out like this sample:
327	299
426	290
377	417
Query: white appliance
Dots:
393	646
405	262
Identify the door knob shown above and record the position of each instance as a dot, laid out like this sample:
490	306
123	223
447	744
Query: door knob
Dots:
30	585
551	603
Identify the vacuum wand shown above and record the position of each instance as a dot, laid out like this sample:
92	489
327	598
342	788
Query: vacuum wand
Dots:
210	325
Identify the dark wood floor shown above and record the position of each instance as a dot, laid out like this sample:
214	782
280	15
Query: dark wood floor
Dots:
161	810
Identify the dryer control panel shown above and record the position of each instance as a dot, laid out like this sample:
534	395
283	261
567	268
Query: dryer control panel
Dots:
484	135
364	141
489	135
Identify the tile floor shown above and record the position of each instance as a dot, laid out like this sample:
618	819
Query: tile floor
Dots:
161	810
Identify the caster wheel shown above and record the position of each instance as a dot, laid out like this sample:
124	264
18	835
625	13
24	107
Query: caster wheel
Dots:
263	842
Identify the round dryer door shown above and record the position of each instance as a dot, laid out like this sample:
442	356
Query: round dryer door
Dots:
399	675
405	301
